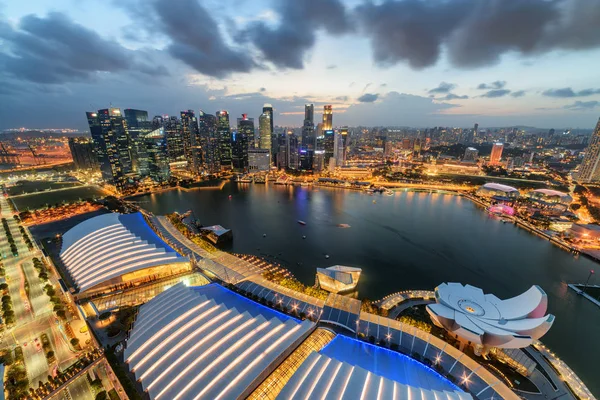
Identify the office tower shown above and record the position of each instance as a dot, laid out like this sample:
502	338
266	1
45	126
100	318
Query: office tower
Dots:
239	151
327	118
111	143
319	152
496	154
345	140
174	136
328	146
245	125
264	131
82	150
268	109
589	170
308	128
137	127
158	122
407	144
189	129
259	160
224	134
475	129
211	158
291	143
158	157
471	154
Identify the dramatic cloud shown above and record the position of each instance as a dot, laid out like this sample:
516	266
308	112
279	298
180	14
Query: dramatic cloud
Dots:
475	33
444	87
287	44
493	85
54	50
518	93
196	39
492	94
582	105
568	92
452	96
368	98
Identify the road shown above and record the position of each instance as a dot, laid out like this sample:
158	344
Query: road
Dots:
80	389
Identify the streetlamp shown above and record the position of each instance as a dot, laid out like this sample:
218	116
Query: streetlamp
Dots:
588	279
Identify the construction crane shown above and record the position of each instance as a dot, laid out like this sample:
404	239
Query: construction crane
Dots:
36	157
8	158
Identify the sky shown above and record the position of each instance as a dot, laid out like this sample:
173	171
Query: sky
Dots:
418	63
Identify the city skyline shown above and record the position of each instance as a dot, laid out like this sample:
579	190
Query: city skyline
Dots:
149	57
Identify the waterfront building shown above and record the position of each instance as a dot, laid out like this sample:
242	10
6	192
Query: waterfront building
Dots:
158	157
327	117
338	278
82	151
209	157
550	197
245	125
589	170
471	155
190	132
224	134
498	191
496	154
486	321
111	250
174	135
137	127
588	234
239	151
259	160
264	129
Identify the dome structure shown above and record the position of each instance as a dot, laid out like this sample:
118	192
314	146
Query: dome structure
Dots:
484	319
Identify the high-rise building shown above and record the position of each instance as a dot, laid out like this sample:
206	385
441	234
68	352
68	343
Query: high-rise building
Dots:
137	127
496	154
339	148
158	158
589	170
224	133
211	159
239	151
82	150
327	117
291	143
306	150
264	131
259	160
174	135
189	129
471	154
268	109
158	122
328	146
245	125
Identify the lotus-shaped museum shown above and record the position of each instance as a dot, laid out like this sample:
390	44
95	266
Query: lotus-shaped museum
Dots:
484	319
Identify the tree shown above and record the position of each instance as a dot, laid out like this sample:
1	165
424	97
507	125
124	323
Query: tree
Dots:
3	286
75	342
102	395
50	355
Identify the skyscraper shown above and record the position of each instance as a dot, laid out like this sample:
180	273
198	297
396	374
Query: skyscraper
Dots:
224	134
207	125
158	158
239	151
308	138
496	154
291	143
327	117
82	150
264	130
589	170
137	127
245	125
328	146
189	128
471	154
174	136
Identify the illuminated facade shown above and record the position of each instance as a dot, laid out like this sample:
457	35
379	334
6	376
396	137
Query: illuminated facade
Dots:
497	190
548	196
496	154
189	128
327	117
224	135
338	278
264	130
211	160
117	249
486	321
158	158
589	170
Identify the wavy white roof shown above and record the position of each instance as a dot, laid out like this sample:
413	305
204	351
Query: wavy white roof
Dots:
206	343
498	186
485	319
110	245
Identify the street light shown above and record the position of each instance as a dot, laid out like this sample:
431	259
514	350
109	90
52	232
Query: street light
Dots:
588	279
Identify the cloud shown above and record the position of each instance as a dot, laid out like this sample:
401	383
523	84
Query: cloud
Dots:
568	92
287	44
492	94
262	89
518	93
443	87
582	105
383	85
493	85
474	33
368	98
452	96
54	49
196	39
342	98
332	66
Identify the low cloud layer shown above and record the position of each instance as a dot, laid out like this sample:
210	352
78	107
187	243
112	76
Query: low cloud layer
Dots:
443	87
493	85
582	105
568	92
492	94
368	98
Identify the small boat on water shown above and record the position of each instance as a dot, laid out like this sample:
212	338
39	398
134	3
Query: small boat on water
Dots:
304	237
301	222
343	226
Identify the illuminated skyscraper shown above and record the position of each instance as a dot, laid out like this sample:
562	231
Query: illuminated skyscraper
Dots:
239	151
174	135
471	154
245	125
210	158
328	146
224	133
327	117
589	170
137	127
189	128
82	150
158	159
496	154
264	129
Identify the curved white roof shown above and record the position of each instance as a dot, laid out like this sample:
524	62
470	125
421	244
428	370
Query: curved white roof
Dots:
498	186
110	245
207	343
550	192
485	319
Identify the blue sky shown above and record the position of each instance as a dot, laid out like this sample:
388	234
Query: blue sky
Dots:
403	62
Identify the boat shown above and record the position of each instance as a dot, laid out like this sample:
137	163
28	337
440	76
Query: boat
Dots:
304	237
389	193
301	222
326	255
343	226
304	184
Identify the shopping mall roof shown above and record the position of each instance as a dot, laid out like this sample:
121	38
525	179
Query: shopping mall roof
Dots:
500	187
348	368
207	343
111	245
